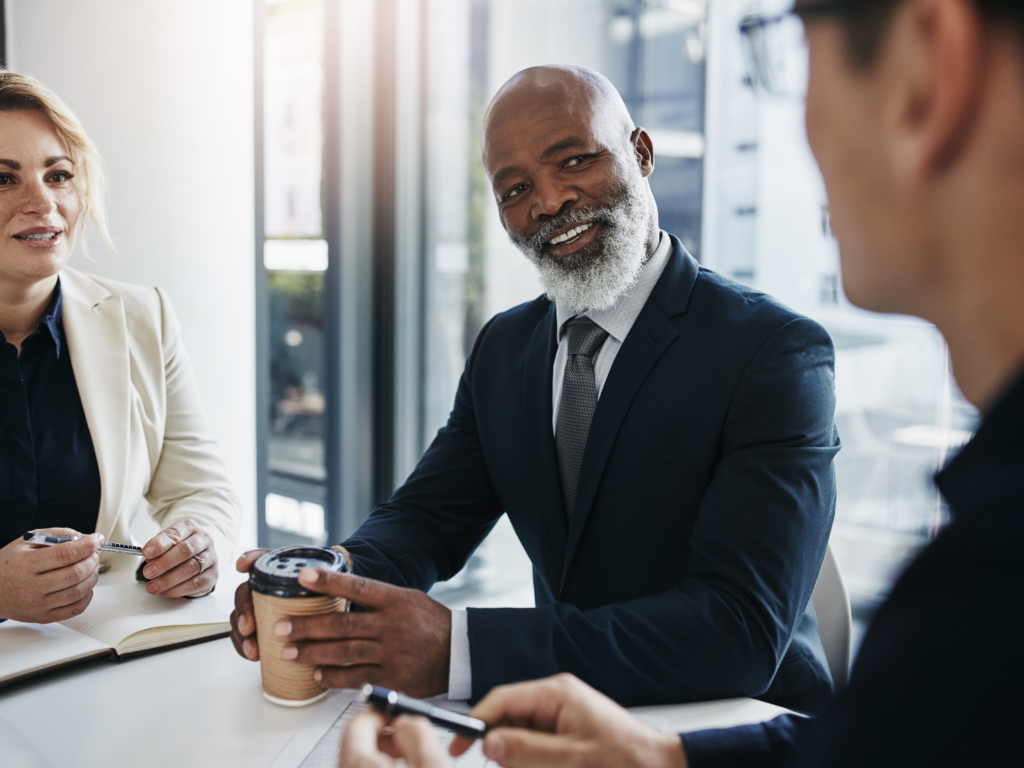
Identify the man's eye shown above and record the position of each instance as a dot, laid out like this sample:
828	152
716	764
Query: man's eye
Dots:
576	160
6	179
515	191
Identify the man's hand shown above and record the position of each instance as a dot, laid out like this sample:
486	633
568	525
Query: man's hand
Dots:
370	741
181	561
243	618
561	721
403	641
46	584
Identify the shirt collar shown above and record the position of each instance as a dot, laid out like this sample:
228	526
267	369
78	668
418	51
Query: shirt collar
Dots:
54	321
619	318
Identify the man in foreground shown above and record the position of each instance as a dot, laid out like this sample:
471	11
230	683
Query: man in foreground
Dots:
915	113
660	437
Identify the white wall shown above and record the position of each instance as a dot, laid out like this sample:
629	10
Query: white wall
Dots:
165	89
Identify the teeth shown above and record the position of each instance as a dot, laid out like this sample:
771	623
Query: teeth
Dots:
570	234
45	236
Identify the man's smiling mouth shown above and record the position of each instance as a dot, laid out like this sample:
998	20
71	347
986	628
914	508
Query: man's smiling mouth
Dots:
572	234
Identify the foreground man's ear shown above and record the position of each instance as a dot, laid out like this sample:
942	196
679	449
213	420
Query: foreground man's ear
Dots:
932	74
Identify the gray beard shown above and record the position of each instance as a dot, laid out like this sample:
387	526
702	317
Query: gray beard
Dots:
596	276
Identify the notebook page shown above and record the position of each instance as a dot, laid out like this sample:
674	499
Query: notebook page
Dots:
116	612
27	648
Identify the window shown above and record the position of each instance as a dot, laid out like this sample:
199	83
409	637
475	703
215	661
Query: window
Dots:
654	54
295	257
766	224
383	256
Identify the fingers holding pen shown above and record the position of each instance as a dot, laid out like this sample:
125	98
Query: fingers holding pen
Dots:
49	560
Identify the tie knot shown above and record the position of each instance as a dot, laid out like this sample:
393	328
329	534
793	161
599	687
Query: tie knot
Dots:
585	336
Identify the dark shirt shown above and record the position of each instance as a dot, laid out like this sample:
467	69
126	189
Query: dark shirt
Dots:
48	471
939	676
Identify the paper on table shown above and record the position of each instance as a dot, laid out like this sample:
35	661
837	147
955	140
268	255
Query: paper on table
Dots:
117	612
317	744
31	647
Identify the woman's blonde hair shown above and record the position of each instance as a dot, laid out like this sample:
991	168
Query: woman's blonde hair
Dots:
19	92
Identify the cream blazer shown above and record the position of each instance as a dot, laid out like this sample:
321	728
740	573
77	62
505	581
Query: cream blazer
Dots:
145	415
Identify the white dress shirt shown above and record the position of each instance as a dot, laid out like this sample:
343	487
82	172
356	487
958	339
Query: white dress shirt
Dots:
618	320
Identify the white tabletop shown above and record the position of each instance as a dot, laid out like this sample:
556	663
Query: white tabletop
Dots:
200	705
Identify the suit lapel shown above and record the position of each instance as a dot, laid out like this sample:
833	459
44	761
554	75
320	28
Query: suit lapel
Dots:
97	336
650	336
537	383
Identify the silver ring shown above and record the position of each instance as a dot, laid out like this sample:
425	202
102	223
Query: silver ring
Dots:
202	564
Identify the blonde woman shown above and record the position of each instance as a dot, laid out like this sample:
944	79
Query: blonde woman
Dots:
99	409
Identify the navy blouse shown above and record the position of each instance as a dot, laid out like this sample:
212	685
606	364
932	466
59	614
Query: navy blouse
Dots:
48	471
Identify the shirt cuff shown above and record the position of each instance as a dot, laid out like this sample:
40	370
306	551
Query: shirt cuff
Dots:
460	673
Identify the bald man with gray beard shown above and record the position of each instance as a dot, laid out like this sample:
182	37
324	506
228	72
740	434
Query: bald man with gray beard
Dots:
660	437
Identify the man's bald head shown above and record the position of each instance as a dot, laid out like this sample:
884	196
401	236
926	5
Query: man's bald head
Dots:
574	91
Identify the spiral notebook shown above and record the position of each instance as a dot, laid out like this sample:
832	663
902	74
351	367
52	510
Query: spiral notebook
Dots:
121	621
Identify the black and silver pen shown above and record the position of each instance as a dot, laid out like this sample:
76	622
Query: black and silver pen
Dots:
393	703
46	539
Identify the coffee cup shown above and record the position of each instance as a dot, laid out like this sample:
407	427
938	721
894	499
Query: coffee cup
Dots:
276	593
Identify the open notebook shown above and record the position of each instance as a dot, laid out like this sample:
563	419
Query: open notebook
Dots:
120	621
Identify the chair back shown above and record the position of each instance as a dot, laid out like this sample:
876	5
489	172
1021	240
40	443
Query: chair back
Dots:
835	623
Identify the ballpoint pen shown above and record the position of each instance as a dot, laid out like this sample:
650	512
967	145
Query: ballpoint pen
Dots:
394	703
46	539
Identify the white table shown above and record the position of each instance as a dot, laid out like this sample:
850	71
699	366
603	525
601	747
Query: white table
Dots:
200	706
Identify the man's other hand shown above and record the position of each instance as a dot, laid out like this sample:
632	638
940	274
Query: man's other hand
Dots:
243	618
370	741
561	721
402	641
40	585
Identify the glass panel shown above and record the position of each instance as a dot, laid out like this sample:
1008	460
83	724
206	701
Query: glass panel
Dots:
653	52
293	118
295	256
296	517
296	353
898	411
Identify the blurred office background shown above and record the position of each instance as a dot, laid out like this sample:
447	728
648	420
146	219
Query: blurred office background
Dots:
304	178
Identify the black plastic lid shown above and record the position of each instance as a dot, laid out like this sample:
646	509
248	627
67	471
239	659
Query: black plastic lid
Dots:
277	572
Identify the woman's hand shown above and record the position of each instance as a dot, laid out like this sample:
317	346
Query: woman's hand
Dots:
371	742
181	561
563	722
41	585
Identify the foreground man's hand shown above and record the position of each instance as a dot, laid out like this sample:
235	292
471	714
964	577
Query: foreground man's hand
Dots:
368	744
40	585
181	561
402	641
561	721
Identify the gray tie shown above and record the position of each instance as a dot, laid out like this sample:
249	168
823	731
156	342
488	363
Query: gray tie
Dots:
579	400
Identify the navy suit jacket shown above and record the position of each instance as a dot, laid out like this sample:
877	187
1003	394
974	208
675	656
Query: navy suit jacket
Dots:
703	508
939	676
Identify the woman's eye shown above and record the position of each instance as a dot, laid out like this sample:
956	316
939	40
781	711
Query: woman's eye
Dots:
62	176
